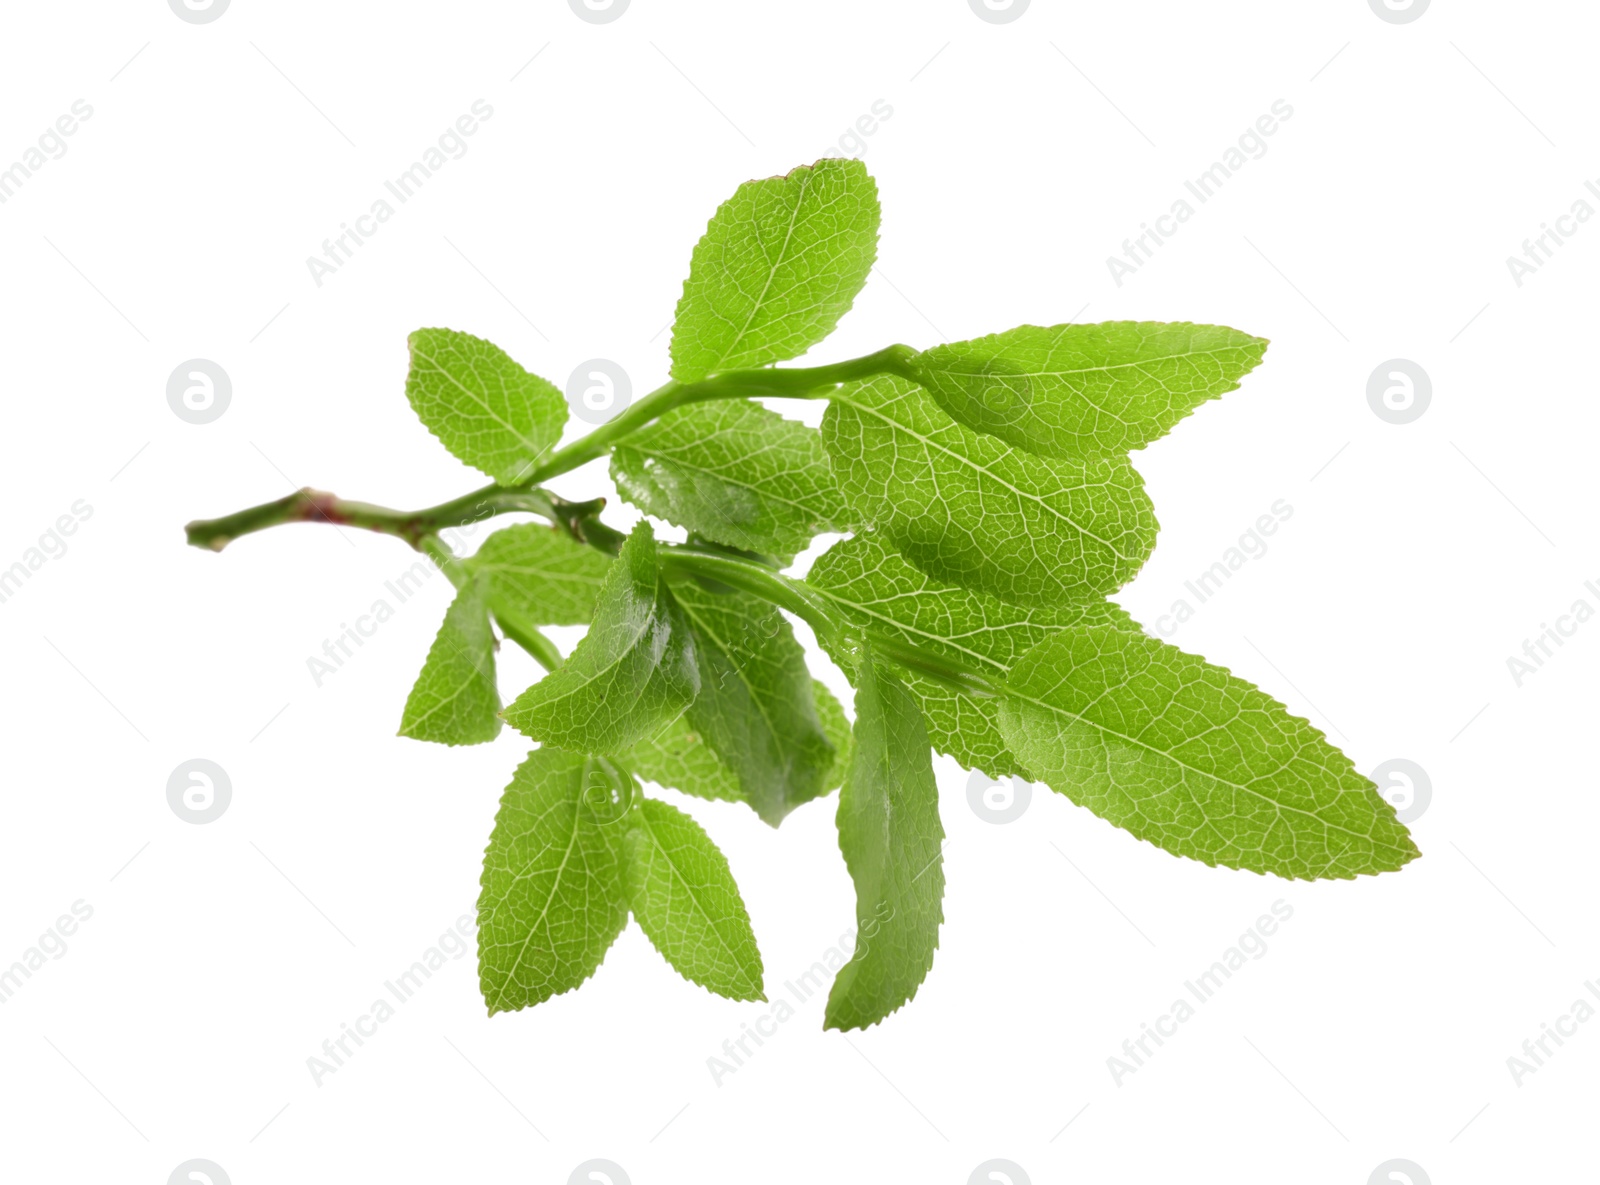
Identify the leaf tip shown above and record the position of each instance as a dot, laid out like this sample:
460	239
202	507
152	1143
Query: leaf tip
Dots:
833	1021
415	338
750	992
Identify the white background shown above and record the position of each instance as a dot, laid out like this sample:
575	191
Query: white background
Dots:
1017	158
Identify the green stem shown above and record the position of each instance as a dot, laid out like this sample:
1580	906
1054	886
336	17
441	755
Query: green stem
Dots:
580	520
530	639
446	560
799	382
542	649
317	506
811	382
597	443
683	562
576	518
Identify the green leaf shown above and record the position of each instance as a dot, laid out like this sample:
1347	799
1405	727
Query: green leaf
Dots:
482	405
836	727
684	897
875	586
969	510
890	834
1193	759
539	575
735	473
1083	390
779	264
629	676
678	757
756	708
554	895
455	700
